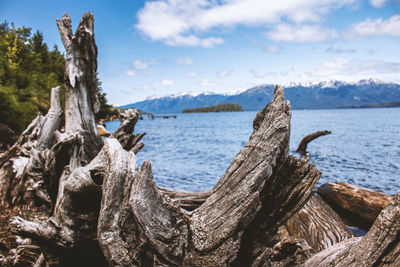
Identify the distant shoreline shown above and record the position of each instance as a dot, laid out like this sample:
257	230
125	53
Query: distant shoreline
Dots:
381	105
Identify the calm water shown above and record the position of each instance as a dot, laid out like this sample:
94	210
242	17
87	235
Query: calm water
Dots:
191	152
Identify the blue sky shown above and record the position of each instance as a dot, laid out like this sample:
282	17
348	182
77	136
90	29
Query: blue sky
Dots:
163	47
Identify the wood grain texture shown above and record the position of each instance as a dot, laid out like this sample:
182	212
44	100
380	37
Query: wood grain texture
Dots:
379	247
356	205
318	224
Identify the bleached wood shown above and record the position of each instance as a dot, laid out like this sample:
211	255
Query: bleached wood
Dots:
81	101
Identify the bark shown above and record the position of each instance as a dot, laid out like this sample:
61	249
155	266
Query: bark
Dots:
140	225
318	224
379	247
187	200
357	206
304	142
288	252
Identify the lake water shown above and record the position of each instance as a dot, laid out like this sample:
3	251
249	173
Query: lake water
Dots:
191	152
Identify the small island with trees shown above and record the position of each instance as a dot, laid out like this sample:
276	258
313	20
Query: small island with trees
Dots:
229	107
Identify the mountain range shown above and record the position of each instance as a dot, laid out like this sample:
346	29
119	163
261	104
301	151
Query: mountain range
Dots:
317	95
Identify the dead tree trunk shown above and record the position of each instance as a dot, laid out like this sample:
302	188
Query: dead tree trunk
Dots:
81	101
357	206
302	148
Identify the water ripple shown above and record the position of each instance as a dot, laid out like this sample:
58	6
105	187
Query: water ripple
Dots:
192	152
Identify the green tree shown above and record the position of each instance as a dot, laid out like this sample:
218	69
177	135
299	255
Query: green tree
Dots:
28	69
105	110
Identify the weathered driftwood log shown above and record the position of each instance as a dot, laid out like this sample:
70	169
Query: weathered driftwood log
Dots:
357	206
304	142
139	224
318	224
379	247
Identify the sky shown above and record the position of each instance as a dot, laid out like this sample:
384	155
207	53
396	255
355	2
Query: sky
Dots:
163	47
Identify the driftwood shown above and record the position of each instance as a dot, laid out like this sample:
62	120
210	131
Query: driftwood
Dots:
100	208
357	206
261	185
318	224
304	142
379	247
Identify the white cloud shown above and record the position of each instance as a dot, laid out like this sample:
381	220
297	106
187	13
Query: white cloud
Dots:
207	82
377	3
185	23
376	27
193	40
223	72
184	61
300	33
344	67
191	74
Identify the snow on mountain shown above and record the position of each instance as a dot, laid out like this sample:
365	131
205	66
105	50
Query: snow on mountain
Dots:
312	95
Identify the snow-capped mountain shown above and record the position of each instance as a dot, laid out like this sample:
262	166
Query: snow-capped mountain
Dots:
314	95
